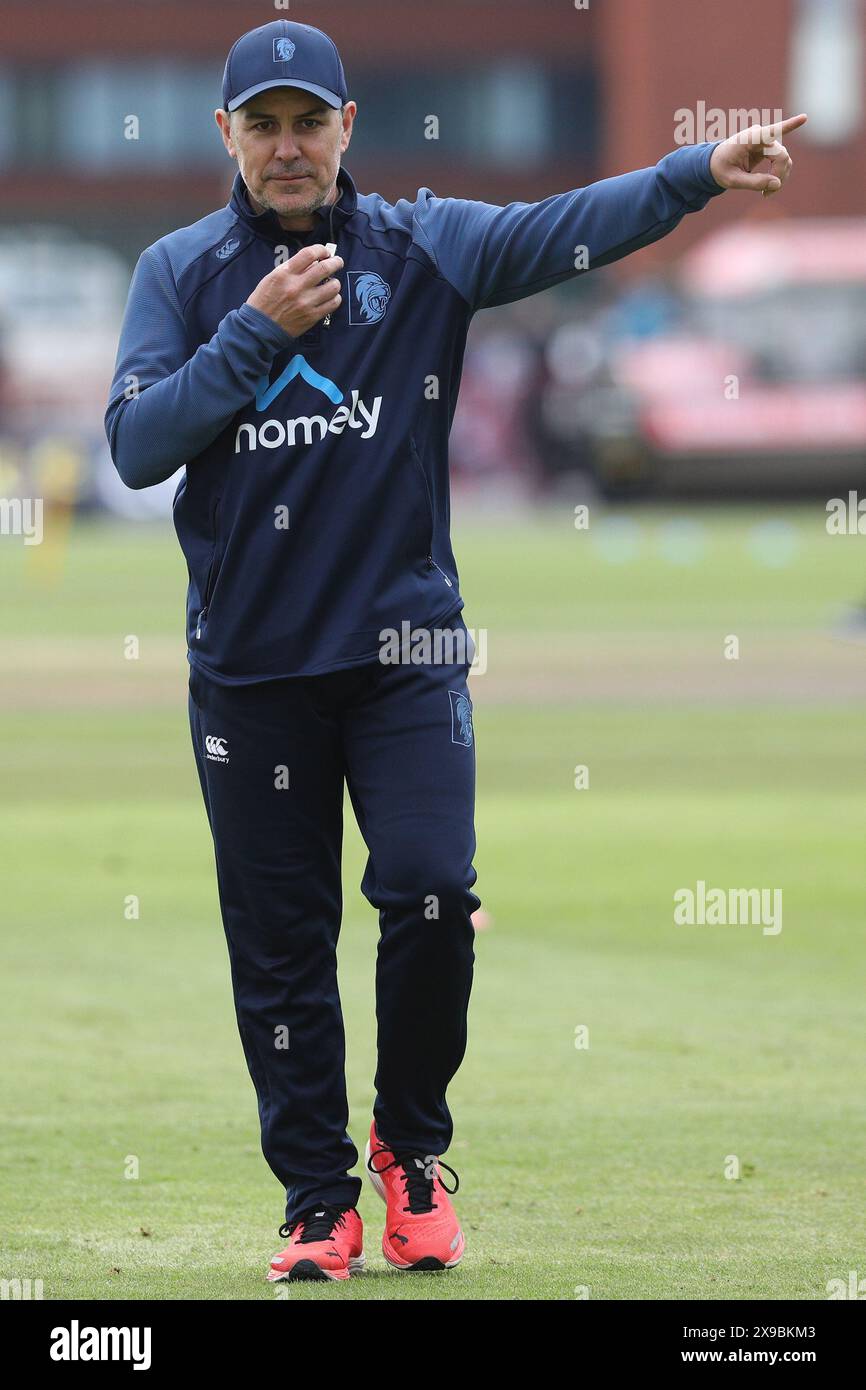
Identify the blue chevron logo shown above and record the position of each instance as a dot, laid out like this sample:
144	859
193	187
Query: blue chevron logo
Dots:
266	392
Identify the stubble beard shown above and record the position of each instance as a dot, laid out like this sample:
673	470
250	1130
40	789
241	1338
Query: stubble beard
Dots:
305	210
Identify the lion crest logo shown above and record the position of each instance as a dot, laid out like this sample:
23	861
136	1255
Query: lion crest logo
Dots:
369	298
284	50
461	718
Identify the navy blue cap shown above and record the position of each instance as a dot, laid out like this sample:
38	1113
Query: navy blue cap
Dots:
283	54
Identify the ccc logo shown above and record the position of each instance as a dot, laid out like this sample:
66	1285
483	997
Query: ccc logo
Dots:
216	746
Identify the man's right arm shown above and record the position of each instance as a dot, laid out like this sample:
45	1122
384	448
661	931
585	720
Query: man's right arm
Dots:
167	405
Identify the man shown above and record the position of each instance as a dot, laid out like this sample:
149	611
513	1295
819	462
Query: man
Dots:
309	395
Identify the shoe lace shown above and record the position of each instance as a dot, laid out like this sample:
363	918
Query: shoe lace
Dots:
418	1176
318	1223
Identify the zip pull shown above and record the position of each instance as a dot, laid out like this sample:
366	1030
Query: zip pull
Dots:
331	248
202	614
432	565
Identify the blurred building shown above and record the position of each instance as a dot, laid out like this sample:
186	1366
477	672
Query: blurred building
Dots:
107	141
531	99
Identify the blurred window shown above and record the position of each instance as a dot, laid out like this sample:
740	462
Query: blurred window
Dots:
76	117
500	115
173	103
508	114
826	68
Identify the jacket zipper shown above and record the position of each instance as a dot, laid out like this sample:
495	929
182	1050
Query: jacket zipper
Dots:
331	248
209	583
431	563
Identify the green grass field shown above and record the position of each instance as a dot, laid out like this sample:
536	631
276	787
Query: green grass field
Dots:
598	1169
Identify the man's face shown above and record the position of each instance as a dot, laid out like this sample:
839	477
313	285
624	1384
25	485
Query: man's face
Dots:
288	144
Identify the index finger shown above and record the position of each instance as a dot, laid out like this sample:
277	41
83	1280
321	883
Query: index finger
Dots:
780	128
307	256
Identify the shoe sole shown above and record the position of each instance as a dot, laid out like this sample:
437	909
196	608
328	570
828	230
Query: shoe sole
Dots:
308	1270
429	1265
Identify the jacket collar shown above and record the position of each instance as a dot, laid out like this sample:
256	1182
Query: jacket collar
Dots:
266	224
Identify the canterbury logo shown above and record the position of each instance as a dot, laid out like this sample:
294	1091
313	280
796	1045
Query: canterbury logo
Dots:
216	748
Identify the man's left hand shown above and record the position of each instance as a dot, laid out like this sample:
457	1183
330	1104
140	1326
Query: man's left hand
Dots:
734	161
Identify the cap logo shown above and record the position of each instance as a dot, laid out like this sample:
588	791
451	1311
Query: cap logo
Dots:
284	49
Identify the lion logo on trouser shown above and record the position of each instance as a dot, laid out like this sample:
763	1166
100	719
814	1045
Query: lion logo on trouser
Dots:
461	718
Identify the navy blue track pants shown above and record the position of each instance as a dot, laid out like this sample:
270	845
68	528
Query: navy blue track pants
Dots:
272	758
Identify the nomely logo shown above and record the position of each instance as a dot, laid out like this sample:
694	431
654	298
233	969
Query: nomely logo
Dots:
273	434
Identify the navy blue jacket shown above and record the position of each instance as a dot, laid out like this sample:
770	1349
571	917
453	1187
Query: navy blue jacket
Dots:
314	507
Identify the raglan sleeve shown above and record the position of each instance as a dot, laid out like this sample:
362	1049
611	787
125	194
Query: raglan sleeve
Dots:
167	404
494	255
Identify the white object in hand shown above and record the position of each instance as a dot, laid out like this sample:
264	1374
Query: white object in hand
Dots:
331	248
